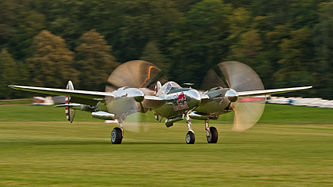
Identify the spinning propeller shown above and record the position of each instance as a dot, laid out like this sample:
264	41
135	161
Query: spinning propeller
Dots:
239	77
133	74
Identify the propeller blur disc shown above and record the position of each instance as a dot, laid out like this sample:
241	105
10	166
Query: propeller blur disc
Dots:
247	114
135	74
212	79
132	74
241	77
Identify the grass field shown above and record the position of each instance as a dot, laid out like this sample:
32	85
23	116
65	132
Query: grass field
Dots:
291	146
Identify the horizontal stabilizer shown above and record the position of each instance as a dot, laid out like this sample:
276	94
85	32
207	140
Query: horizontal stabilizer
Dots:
69	105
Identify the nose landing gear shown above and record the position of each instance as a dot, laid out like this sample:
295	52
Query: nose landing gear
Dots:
190	137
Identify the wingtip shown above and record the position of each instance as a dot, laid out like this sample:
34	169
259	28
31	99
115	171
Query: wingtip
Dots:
304	87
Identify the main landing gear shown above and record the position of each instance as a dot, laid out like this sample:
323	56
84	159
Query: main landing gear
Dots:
211	132
117	134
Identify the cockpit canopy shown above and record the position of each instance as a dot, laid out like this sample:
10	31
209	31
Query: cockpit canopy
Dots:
167	87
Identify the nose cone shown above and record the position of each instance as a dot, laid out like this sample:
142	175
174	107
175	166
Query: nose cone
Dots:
231	95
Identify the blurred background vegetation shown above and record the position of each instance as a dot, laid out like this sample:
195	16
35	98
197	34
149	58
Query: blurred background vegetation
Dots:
46	43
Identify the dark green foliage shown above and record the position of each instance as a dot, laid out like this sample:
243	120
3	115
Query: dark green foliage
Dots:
94	61
8	73
289	43
152	54
11	72
323	40
52	63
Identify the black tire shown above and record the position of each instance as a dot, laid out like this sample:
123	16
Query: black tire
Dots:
116	136
190	138
213	136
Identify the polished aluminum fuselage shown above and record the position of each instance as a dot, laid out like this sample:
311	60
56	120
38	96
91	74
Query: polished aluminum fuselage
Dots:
179	101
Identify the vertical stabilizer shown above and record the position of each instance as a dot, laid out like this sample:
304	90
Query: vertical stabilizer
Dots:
70	112
158	86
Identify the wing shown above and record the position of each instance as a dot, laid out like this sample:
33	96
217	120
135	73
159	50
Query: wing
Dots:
271	91
152	102
88	97
82	96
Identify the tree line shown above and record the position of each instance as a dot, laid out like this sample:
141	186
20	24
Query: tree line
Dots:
46	43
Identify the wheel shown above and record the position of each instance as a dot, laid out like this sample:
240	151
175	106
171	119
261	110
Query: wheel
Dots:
213	135
116	135
190	138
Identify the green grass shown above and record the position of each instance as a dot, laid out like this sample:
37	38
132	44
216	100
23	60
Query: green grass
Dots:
16	101
273	114
288	114
26	113
291	146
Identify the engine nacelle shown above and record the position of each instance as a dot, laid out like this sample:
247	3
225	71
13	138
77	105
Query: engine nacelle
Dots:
169	122
103	115
198	116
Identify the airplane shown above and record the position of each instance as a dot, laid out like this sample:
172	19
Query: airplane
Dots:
130	89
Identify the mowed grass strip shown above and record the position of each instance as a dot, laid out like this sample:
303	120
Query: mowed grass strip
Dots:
273	114
42	150
16	101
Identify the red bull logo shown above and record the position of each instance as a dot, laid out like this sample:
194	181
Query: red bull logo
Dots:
181	98
181	103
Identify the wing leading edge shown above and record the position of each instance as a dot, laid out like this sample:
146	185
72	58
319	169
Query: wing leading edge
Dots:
94	95
148	102
271	91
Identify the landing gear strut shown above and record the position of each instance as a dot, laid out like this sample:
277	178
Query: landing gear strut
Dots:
190	137
117	134
211	133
